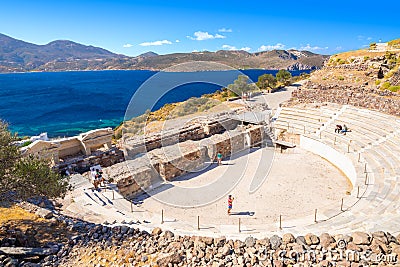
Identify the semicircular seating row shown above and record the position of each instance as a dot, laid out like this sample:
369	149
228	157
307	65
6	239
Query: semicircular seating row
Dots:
373	146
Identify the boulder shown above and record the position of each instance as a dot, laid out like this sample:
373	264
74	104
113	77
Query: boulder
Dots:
380	236
156	231
275	241
360	238
325	240
170	258
288	238
311	239
250	241
44	213
301	240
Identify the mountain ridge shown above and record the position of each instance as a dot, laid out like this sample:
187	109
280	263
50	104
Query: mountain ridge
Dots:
63	55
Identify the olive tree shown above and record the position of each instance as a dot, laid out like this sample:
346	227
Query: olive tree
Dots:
26	177
240	85
283	76
266	82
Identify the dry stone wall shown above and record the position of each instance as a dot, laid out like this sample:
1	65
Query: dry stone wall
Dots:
365	97
166	163
82	164
195	131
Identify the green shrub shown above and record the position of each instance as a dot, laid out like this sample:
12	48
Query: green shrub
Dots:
26	143
342	61
377	82
341	78
366	58
394	88
385	85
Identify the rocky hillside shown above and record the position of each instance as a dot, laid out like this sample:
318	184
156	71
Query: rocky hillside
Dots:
367	78
20	56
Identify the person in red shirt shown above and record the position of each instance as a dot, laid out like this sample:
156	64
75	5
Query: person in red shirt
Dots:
230	203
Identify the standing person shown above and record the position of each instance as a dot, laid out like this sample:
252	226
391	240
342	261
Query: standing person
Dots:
219	158
230	203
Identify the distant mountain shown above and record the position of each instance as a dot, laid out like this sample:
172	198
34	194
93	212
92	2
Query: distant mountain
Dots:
61	55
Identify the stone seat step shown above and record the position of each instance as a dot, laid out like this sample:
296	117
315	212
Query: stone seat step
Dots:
370	123
366	114
318	119
362	127
298	124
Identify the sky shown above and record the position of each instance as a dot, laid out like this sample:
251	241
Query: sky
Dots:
135	27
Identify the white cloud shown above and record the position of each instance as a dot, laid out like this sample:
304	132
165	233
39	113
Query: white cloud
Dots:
200	36
127	45
163	42
271	47
177	41
339	48
247	49
225	30
231	47
308	47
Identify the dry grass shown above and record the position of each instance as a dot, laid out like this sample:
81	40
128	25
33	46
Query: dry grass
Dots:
17	214
358	53
19	220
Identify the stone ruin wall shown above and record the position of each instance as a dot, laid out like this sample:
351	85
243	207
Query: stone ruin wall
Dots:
197	131
103	158
166	163
359	96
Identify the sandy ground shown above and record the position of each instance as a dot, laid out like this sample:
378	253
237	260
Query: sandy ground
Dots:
298	182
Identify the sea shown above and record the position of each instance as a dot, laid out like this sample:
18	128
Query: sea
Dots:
68	103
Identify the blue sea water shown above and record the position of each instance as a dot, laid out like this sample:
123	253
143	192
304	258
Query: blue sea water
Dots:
68	103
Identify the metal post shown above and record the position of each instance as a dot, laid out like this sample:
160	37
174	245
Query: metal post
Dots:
315	215
320	135
365	167
113	194
198	222
359	157
341	206
334	142
288	126
304	129
162	216
280	222
239	226
348	148
358	191
131	207
366	178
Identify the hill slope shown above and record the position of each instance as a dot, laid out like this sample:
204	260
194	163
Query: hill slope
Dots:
20	56
368	78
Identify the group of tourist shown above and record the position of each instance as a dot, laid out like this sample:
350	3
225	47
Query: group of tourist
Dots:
97	177
341	129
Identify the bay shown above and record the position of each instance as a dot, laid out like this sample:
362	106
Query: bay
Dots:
69	103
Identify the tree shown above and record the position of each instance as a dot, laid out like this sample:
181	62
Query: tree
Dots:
266	82
240	85
27	176
283	76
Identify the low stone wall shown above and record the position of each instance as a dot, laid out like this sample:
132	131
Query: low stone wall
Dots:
82	164
382	101
169	162
196	131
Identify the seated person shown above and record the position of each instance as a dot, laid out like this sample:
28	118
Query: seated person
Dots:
338	128
344	130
